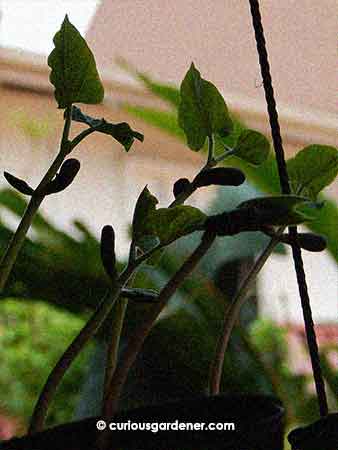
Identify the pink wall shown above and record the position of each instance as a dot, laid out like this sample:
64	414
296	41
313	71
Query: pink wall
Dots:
164	37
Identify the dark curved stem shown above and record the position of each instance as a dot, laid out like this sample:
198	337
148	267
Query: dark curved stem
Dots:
118	312
73	350
136	340
285	186
231	316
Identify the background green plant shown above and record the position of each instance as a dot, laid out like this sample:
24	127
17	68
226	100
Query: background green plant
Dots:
30	343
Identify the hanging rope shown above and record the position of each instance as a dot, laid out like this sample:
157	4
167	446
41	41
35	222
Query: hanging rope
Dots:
285	187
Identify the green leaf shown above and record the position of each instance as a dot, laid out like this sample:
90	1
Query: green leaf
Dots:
264	177
173	223
120	131
252	146
74	74
281	202
326	224
167	224
145	205
202	111
312	169
148	242
282	209
79	116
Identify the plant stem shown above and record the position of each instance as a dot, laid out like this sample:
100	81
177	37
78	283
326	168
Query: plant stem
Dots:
138	337
182	197
211	162
231	316
230	151
81	136
210	149
87	332
114	342
113	350
8	259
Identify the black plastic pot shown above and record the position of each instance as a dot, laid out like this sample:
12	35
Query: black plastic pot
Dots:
258	421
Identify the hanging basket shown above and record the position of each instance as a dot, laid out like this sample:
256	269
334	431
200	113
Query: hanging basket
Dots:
258	425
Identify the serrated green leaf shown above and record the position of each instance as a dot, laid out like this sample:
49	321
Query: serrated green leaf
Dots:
74	73
312	169
202	110
122	132
252	146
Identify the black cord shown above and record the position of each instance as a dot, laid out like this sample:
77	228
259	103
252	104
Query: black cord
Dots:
285	187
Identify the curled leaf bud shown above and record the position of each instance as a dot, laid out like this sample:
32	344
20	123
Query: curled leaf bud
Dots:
141	295
108	251
237	221
180	186
18	184
308	241
222	176
64	178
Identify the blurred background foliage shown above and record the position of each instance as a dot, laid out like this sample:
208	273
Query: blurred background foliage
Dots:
32	337
58	279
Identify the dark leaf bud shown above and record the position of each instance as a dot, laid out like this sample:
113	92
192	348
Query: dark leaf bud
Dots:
64	178
180	186
222	176
308	241
18	184
108	251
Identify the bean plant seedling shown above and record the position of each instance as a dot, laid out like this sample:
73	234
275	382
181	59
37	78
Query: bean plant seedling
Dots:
204	118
